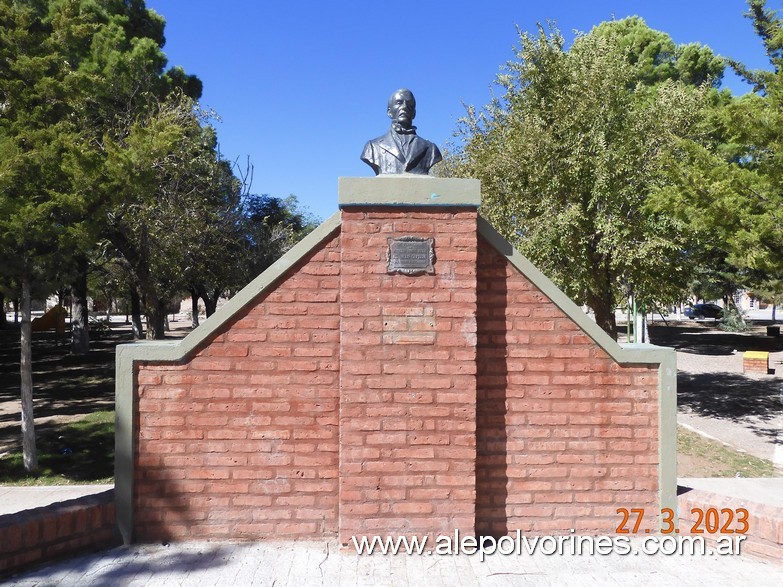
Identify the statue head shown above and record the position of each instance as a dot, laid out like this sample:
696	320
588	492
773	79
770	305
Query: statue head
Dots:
400	149
402	108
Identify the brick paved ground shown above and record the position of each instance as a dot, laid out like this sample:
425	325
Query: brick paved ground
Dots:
313	563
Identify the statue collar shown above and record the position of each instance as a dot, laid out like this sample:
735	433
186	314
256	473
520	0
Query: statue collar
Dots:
403	131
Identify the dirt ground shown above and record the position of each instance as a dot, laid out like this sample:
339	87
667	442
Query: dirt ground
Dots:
714	396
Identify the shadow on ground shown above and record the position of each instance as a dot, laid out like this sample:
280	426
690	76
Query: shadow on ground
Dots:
65	386
730	396
131	565
756	402
707	340
78	452
57	374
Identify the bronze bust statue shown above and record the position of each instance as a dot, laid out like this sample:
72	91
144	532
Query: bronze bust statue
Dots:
401	150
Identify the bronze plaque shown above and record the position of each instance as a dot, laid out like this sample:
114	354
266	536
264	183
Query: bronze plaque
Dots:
411	255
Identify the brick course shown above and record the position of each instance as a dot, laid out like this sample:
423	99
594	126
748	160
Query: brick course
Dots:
345	401
407	373
62	529
564	434
241	440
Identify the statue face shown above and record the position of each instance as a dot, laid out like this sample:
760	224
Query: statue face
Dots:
402	108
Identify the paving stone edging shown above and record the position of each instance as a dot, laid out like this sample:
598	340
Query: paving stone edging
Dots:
764	537
57	530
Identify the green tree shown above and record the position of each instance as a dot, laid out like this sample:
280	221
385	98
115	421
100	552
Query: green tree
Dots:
271	227
115	47
254	231
157	221
655	56
730	189
568	158
74	75
768	288
756	120
40	216
767	24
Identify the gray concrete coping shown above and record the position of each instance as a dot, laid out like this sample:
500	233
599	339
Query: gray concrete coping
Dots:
767	491
18	498
408	189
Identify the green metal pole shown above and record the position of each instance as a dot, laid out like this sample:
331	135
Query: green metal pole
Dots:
643	312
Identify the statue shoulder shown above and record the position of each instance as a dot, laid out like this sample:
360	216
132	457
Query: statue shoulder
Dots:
382	139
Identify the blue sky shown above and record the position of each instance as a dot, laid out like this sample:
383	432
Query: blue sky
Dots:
300	86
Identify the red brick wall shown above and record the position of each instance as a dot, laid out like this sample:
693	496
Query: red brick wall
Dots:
407	411
57	530
241	441
348	401
565	435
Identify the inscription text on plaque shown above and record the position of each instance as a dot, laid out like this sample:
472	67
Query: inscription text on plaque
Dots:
411	255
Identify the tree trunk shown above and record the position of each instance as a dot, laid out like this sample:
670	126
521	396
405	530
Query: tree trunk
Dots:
29	454
138	327
16	311
210	302
774	308
640	325
3	320
156	320
604	314
600	294
80	317
193	308
211	305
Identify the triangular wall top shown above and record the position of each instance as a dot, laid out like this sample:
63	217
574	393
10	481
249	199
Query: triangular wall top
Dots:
396	196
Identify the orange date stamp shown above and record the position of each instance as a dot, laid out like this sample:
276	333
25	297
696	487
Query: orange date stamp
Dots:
710	521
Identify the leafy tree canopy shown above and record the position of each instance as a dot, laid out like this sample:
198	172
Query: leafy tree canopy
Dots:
731	190
657	58
570	154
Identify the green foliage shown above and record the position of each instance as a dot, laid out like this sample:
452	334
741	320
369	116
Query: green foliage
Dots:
733	320
42	218
655	56
568	159
76	79
271	227
767	287
100	144
729	190
178	218
767	24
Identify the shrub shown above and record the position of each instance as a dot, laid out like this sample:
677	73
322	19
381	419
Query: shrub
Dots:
733	320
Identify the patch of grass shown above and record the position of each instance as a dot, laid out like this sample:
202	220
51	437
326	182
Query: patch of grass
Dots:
76	452
714	459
